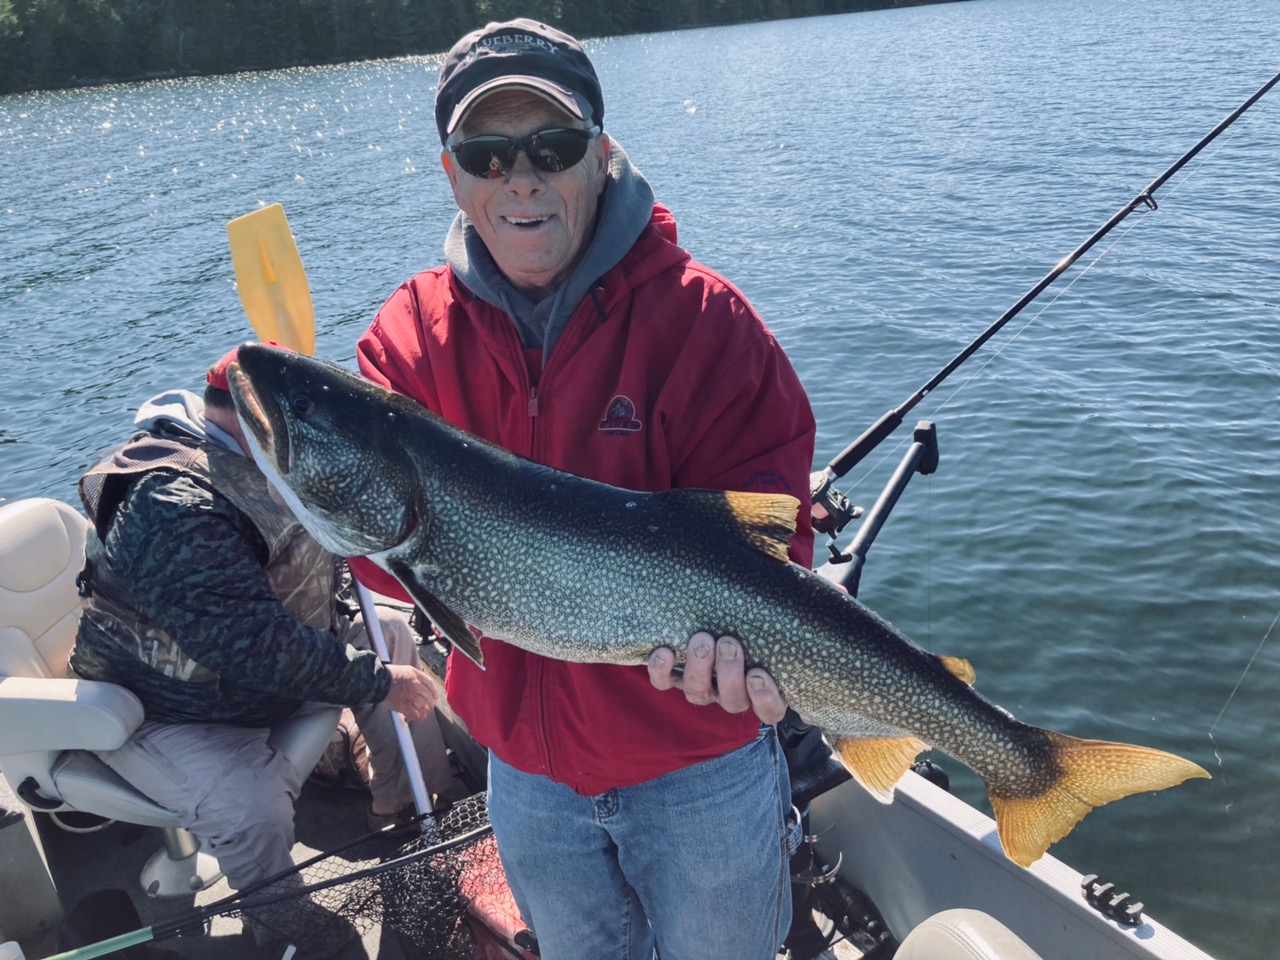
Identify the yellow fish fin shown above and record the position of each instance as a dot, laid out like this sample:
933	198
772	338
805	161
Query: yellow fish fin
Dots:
1092	772
960	668
764	521
878	762
767	520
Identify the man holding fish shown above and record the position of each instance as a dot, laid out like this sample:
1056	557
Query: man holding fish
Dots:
569	327
591	450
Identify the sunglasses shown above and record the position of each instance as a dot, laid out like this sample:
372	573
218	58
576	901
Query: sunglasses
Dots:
548	150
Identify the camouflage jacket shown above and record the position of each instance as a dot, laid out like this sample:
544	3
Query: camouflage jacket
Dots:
181	609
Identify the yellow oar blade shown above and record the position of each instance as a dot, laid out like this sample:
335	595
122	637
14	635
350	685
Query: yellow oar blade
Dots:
271	279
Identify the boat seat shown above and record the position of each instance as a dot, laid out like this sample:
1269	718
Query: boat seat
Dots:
963	935
53	725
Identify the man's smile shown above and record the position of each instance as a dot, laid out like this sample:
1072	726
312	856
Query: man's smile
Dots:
527	221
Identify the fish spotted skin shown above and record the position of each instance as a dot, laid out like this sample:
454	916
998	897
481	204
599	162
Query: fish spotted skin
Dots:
579	570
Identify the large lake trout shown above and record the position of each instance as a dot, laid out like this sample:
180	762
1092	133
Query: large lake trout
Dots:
592	573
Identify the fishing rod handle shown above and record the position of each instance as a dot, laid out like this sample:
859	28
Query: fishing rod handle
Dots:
853	454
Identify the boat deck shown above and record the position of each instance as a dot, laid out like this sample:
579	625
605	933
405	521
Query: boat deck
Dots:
112	858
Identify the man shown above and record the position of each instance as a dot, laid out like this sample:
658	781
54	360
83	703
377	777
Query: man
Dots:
568	327
206	598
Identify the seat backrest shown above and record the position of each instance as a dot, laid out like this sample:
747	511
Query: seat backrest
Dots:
963	934
41	554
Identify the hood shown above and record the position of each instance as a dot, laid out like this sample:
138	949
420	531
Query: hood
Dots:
182	412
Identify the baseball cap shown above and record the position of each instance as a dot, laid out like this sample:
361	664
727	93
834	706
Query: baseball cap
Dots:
519	53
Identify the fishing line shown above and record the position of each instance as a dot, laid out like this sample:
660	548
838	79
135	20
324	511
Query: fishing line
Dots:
1231	696
895	450
1018	333
889	421
1190	173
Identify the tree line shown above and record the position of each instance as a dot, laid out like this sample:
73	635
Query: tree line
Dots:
47	44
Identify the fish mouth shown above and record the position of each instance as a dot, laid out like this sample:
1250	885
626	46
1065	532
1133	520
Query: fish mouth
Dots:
255	419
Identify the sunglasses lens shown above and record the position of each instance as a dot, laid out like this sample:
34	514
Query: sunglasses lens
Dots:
487	156
556	150
549	150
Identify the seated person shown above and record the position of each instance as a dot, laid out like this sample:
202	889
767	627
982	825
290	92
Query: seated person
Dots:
207	599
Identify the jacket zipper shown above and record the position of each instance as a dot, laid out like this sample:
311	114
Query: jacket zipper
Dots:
540	675
539	672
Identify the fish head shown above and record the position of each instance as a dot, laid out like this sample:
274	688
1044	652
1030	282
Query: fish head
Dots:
325	438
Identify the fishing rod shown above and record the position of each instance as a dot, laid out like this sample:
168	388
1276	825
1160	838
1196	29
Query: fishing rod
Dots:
837	508
813	769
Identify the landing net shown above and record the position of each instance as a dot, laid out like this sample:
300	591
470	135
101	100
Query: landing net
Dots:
418	884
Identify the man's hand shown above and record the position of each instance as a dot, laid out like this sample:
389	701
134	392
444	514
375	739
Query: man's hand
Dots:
714	673
412	693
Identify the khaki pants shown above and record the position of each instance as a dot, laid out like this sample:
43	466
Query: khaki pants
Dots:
235	792
376	747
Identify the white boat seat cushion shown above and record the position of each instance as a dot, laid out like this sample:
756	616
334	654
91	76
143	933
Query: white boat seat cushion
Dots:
47	721
41	554
963	935
86	783
64	715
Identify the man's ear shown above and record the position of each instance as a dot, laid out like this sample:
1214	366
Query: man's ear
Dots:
602	174
450	171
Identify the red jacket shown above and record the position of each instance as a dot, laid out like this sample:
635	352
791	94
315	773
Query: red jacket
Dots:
663	377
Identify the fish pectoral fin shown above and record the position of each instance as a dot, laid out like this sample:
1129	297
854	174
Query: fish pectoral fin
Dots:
878	762
448	622
960	668
1091	773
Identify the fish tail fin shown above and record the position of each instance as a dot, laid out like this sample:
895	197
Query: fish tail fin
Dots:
1089	774
878	762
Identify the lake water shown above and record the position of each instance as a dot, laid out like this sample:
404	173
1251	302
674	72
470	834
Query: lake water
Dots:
1101	538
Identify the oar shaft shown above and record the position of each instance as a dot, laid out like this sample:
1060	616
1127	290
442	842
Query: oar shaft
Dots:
848	458
409	753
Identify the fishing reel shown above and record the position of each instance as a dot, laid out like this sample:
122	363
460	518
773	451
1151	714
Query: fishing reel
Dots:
831	510
818	889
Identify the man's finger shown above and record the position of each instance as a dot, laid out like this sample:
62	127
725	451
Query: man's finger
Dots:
662	673
766	701
731	687
698	682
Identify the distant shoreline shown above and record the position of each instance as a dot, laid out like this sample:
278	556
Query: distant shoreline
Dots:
56	50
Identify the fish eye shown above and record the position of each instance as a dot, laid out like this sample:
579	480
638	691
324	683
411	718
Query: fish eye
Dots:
303	405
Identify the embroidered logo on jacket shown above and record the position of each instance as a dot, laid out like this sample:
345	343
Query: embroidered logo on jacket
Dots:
620	418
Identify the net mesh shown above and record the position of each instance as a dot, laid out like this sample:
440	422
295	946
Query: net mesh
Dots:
418	883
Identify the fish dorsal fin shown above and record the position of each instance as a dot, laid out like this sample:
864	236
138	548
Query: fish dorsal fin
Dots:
878	762
765	521
960	668
449	623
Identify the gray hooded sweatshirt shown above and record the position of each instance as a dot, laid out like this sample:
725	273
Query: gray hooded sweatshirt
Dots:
626	206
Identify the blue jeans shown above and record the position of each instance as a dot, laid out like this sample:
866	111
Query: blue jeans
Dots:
694	863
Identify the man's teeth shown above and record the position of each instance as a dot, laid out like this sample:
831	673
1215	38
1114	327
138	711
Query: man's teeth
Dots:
526	221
